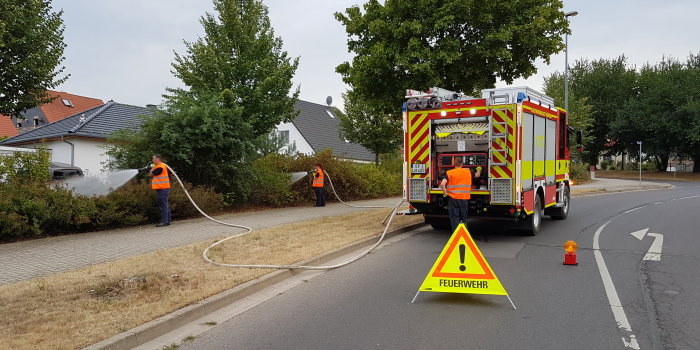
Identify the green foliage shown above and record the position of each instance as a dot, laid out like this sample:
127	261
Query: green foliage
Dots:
351	180
361	124
31	51
31	209
580	111
273	142
238	79
658	104
25	167
240	53
579	171
455	44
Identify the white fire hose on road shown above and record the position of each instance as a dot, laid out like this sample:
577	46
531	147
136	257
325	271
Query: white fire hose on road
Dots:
205	253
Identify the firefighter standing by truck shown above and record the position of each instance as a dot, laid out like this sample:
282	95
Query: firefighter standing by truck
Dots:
457	187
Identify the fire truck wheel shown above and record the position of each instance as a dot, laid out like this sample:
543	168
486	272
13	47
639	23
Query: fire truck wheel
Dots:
534	221
562	212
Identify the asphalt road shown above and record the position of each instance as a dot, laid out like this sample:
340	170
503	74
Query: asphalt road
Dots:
367	305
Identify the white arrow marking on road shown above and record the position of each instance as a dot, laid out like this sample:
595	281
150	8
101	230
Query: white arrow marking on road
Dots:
654	252
640	234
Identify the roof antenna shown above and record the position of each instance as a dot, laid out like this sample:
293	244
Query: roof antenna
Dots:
329	100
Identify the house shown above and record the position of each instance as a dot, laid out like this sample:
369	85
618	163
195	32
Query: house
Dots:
80	139
315	129
63	105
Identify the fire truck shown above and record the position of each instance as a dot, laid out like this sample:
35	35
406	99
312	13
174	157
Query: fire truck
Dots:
515	134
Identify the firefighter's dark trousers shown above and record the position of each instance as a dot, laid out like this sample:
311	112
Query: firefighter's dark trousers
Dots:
458	209
320	197
162	196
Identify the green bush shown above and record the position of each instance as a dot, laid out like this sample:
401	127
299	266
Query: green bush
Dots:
579	171
351	180
38	209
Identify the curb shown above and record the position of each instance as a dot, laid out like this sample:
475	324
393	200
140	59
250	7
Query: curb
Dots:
167	323
601	191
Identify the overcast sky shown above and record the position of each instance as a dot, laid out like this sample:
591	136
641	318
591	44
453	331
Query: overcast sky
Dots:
122	50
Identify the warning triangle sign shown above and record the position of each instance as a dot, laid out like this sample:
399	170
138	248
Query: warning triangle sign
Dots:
461	268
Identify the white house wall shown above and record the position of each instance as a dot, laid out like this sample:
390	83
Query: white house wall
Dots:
89	154
295	137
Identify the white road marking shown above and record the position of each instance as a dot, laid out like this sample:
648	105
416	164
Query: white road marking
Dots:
614	300
640	234
633	209
654	252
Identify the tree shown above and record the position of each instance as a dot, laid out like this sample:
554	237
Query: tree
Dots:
580	111
238	80
273	142
361	124
31	52
610	85
241	53
455	44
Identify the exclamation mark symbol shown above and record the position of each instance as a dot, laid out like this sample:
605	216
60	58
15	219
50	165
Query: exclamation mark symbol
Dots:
462	251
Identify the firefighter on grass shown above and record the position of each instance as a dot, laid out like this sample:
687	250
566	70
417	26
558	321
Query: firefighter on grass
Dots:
457	186
318	186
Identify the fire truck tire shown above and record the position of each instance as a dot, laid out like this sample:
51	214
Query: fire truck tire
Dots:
562	212
534	221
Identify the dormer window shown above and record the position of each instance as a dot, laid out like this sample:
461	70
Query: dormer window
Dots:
67	102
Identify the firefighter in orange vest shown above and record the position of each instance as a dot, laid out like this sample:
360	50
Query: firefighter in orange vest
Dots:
458	186
318	186
161	183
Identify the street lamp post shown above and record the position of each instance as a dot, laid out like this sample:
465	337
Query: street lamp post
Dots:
640	162
566	62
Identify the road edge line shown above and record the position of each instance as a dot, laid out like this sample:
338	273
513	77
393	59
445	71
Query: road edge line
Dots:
178	318
610	291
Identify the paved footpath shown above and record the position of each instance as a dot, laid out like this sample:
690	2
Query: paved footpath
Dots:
46	256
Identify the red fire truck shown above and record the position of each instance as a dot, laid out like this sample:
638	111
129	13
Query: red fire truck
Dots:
515	134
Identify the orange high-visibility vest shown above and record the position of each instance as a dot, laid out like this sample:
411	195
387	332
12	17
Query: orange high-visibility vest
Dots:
161	181
459	183
318	180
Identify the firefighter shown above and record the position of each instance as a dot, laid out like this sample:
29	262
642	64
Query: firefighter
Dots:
318	186
161	183
457	186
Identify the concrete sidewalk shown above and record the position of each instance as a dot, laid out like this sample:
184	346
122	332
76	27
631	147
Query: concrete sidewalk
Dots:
46	256
603	185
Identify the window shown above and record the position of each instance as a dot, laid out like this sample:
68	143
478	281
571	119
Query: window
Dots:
330	114
67	102
19	124
283	136
563	136
36	121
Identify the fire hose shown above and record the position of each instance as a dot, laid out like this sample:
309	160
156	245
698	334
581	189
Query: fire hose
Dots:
247	230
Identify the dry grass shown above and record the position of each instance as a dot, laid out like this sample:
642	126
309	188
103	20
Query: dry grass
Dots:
74	309
630	174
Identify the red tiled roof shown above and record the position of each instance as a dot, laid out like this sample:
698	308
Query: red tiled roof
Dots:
57	109
7	127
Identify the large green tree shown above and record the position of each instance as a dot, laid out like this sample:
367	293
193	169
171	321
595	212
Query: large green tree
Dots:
31	52
361	124
460	45
238	82
610	85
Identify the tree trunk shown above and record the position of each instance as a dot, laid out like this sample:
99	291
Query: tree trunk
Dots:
623	161
376	159
696	163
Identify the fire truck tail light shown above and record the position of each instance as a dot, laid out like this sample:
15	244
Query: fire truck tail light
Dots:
472	111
